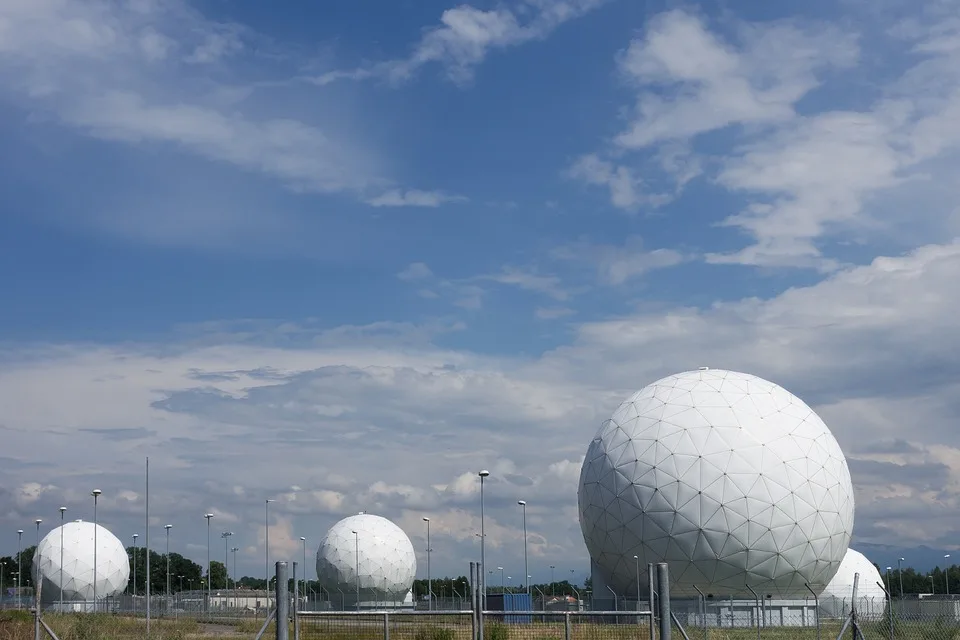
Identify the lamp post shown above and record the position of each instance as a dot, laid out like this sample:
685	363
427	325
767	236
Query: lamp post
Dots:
226	553
900	575
208	516
62	510
552	581
96	495
303	577
356	538
266	549
234	552
526	566
167	528
19	563
135	536
637	559
946	574
429	581
500	569
483	539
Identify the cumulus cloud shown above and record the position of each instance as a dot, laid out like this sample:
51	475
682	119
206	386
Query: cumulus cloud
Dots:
402	432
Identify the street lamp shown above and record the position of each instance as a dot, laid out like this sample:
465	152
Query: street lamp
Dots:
37	569
226	553
96	494
356	537
303	541
637	558
135	536
483	538
500	569
208	516
167	528
19	568
429	582
900	575
526	566
946	574
266	550
552	581
62	509
234	552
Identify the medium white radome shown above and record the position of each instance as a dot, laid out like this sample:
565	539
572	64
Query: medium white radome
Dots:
729	478
837	597
387	561
113	566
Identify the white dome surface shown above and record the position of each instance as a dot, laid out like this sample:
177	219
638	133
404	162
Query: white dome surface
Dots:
113	566
387	561
728	477
836	598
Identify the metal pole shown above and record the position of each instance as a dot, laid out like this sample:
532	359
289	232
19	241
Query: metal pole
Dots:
96	494
167	527
651	577
296	618
146	542
429	577
889	608
757	614
356	538
703	611
663	582
483	539
526	565
283	603
62	509
637	561
816	604
37	584
135	536
266	551
208	516
20	567
303	541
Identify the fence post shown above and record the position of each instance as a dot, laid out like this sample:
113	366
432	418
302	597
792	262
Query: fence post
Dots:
473	603
480	603
567	627
663	580
296	603
653	605
36	600
283	603
386	625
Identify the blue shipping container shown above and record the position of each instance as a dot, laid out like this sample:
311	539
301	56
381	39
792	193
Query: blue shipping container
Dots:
511	602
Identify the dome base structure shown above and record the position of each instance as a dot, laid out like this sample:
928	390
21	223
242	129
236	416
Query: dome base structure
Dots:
730	479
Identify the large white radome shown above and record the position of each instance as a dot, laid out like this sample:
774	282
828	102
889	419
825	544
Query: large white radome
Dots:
729	478
388	563
837	597
113	566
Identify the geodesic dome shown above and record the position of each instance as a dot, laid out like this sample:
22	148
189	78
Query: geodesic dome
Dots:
837	598
113	566
729	478
387	561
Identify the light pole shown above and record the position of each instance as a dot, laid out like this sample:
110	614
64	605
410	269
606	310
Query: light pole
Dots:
526	566
637	558
356	538
303	541
135	536
234	552
429	581
36	571
933	588
208	516
553	588
946	574
167	528
19	567
500	569
96	494
266	550
62	510
483	539
226	553
900	575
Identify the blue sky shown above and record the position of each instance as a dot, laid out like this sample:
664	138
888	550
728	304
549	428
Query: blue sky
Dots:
344	261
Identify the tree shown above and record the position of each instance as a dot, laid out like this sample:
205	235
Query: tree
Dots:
218	575
179	566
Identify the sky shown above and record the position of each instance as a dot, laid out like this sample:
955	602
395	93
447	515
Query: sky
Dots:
296	253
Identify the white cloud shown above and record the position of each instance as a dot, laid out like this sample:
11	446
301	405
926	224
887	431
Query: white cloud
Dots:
550	286
415	271
412	198
417	422
618	264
